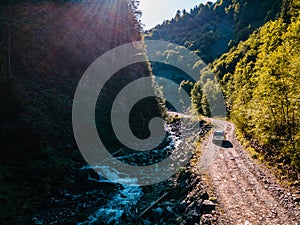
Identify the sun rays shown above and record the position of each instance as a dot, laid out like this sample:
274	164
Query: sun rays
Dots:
72	28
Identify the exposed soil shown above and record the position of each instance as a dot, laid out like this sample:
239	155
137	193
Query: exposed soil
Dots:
248	193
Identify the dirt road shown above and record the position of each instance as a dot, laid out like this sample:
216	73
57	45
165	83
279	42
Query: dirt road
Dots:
247	192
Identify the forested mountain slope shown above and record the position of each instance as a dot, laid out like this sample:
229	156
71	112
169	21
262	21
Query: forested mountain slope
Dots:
261	83
259	76
213	28
45	47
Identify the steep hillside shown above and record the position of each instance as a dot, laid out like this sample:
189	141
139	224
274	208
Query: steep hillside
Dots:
261	83
259	74
213	28
45	47
209	30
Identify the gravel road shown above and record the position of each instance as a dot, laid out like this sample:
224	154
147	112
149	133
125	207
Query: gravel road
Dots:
247	191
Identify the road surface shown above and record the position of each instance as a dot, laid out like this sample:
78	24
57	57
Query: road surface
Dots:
247	192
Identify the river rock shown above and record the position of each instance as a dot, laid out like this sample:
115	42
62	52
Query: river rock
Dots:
37	221
110	186
208	206
178	220
190	206
204	195
206	219
147	222
183	205
192	217
169	209
158	210
183	222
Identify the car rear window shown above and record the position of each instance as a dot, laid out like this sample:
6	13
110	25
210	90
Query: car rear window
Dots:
219	133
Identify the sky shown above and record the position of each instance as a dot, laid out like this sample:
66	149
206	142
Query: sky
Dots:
156	11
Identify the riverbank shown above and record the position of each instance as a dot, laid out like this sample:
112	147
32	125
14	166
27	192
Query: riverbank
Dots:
182	199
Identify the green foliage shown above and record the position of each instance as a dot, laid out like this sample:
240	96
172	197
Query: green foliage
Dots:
260	78
197	99
210	28
49	54
206	90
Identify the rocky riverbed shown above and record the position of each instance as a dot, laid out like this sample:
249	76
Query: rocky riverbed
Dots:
90	199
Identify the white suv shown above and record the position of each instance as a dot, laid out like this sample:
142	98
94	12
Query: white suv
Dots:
219	137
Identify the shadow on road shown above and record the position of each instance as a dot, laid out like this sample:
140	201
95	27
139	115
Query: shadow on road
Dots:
227	144
223	144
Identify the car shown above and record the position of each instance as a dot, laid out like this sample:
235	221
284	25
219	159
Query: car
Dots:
218	137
